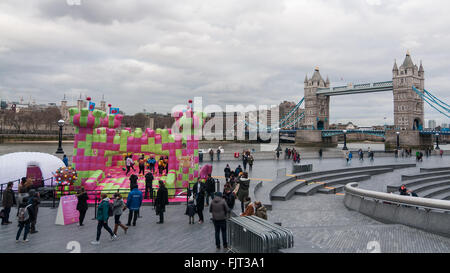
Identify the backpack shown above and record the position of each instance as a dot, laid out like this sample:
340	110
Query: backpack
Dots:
23	214
110	209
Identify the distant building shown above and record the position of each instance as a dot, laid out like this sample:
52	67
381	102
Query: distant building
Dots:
431	124
444	125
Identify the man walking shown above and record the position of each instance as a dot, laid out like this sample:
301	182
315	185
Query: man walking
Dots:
210	189
134	202
162	199
219	210
8	201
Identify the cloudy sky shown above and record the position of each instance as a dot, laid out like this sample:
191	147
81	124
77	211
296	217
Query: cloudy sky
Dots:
156	54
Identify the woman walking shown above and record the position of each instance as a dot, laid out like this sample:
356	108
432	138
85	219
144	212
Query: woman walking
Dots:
241	190
162	199
102	217
118	208
82	205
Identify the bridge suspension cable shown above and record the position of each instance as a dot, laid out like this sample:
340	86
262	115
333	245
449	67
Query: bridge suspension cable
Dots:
430	101
285	118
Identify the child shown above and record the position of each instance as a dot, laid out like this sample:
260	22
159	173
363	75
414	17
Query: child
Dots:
118	208
190	210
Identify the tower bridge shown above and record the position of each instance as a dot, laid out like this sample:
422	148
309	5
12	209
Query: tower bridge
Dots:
407	86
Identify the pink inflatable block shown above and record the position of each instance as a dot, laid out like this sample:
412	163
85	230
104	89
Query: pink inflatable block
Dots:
128	129
185	170
144	140
184	153
195	146
165	146
191	177
80	152
150	133
110	132
180	176
196	160
196	173
158	139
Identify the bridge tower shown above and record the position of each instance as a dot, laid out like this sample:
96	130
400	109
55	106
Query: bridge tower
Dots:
317	107
408	105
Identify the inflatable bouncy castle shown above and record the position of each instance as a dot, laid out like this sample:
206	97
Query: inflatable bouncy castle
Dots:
99	149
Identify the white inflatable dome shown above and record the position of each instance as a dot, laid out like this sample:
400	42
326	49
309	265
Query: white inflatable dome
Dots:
14	166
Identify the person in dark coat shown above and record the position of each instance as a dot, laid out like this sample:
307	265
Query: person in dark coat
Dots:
230	198
34	201
162	199
238	171
133	181
190	210
242	190
210	188
8	201
82	205
199	191
227	172
219	210
25	216
149	185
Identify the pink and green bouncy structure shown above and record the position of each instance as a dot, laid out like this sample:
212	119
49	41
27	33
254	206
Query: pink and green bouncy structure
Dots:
99	150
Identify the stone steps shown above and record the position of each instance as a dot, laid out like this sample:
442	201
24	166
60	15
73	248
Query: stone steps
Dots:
331	189
424	175
429	186
414	183
430	193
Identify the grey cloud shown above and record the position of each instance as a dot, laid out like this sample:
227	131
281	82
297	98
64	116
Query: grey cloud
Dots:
156	54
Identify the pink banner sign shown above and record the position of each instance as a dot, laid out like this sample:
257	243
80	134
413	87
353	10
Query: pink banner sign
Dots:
67	210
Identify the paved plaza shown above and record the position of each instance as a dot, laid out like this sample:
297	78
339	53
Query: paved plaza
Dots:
320	223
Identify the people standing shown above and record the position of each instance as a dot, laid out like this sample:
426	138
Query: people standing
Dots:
242	189
129	164
118	208
65	160
133	181
320	154
149	185
244	161
134	202
211	154
261	211
210	188
102	218
441	153
227	172
190	210
142	164
199	191
162	199
347	158
250	162
34	201
238	171
25	215
82	205
249	207
219	210
350	157
218	154
8	201
151	164
230	198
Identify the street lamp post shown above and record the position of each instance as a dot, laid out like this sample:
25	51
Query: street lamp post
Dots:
398	141
437	141
345	141
61	125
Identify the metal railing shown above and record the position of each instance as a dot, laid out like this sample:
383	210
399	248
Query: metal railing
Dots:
425	203
252	234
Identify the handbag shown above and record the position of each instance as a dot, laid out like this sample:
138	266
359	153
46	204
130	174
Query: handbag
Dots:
2	213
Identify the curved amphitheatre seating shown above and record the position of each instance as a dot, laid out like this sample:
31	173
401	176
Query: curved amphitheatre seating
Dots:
330	181
430	183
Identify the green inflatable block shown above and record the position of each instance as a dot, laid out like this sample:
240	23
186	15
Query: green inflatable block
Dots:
170	183
138	133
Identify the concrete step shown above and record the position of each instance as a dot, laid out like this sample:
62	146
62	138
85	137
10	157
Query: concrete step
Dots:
424	175
430	193
310	189
325	178
415	183
285	193
425	170
331	189
347	180
442	196
423	188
